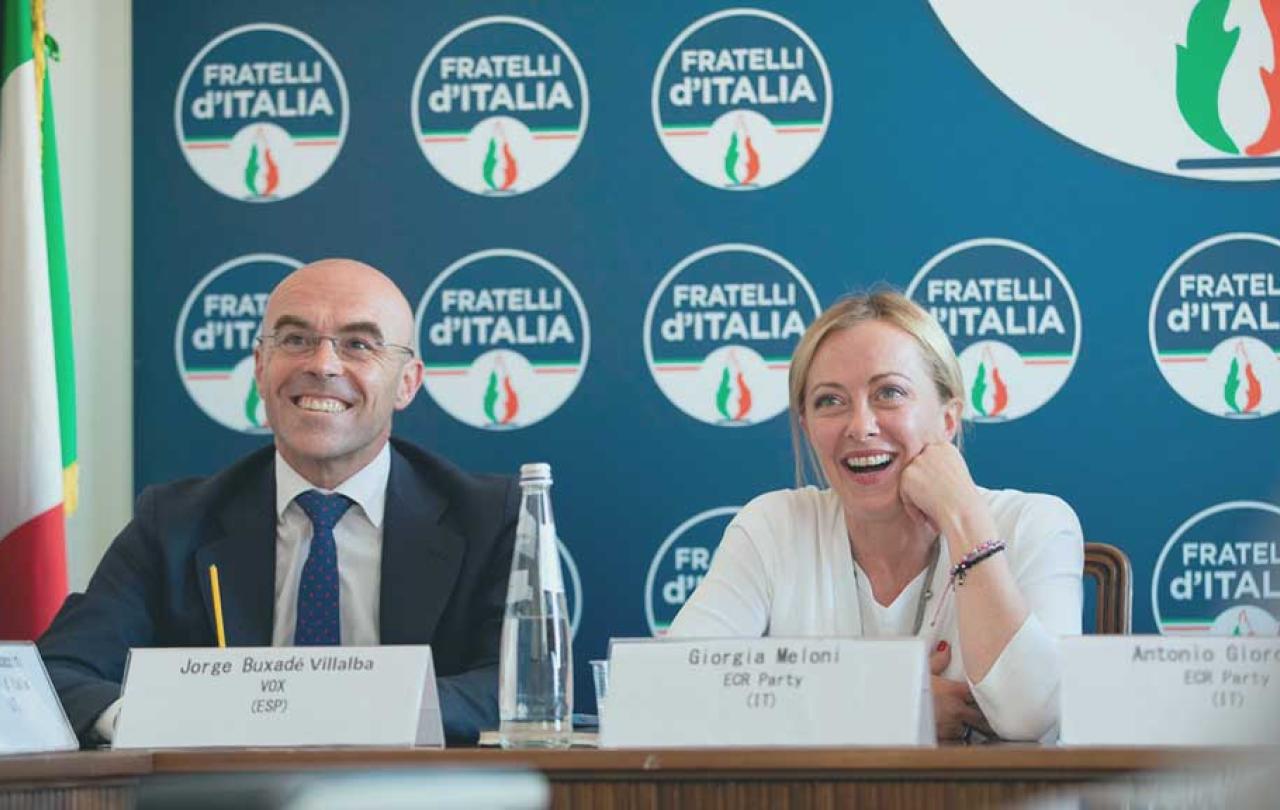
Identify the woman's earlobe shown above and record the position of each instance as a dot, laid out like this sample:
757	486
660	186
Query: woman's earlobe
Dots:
953	414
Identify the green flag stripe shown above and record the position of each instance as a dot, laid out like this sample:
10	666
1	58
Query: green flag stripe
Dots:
59	290
15	36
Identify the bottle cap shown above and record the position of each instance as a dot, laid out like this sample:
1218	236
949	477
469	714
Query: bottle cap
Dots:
535	473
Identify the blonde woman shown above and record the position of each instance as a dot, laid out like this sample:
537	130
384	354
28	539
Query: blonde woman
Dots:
899	540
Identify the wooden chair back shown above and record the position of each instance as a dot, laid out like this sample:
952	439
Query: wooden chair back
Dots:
1109	567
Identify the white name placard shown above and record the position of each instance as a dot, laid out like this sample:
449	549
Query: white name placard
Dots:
1156	690
767	691
279	696
31	717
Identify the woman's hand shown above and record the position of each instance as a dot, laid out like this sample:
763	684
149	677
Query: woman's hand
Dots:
937	490
954	709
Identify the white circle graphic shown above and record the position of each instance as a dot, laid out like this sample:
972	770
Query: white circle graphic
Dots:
733	385
498	155
228	393
497	387
1238	377
1178	87
1219	620
742	149
1003	383
263	161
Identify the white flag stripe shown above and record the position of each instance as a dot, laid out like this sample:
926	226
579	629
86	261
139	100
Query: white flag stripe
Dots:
30	453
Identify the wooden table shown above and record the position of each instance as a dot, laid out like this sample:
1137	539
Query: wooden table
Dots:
778	778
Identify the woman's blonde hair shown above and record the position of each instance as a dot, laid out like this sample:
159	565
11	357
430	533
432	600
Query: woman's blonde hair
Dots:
885	305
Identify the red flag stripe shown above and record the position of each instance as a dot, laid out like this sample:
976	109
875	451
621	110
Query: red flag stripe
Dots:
33	575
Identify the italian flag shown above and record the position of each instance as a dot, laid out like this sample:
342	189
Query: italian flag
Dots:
37	405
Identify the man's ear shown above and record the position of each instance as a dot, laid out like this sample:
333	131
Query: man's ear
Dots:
410	381
259	365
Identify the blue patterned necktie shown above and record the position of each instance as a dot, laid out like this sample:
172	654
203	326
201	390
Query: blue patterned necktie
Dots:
318	591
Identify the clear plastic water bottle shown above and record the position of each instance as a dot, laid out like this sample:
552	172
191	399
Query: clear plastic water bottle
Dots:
535	689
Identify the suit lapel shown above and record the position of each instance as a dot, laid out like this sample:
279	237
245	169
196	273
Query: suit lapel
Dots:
421	555
244	549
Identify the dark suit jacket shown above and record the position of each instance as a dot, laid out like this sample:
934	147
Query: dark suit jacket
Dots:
446	556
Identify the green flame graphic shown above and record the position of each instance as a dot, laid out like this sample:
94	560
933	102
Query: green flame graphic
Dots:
491	163
731	159
979	390
491	397
251	170
1201	65
251	404
722	394
1232	385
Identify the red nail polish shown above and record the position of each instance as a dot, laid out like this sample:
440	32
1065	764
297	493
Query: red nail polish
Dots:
942	646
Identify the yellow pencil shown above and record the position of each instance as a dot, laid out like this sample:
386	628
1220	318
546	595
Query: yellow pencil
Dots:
217	605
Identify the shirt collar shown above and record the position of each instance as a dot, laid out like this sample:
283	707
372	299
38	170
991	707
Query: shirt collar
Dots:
368	487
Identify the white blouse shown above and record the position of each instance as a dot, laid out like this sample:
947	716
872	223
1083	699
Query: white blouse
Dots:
785	568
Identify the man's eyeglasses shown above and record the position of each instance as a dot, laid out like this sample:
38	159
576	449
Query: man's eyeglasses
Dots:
352	348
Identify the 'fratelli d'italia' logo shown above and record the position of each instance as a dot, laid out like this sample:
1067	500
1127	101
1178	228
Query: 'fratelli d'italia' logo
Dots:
1215	326
500	106
1219	574
213	345
1184	87
261	112
680	563
1011	316
742	99
504	338
720	329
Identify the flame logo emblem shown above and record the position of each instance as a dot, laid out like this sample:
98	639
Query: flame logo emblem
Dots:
1252	387
1243	626
999	391
251	403
733	382
1202	63
261	172
500	168
500	390
741	160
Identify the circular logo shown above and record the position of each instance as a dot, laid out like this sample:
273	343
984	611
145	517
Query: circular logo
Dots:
720	329
504	337
742	99
499	106
213	345
680	564
261	112
1181	87
1012	319
1215	326
1219	574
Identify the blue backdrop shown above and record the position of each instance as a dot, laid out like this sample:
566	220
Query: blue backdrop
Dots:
921	152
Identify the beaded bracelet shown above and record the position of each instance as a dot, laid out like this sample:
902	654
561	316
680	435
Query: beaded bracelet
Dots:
958	571
975	556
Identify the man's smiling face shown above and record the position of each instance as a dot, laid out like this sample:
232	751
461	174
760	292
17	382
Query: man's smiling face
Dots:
331	416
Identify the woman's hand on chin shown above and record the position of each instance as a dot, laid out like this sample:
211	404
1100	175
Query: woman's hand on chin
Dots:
937	490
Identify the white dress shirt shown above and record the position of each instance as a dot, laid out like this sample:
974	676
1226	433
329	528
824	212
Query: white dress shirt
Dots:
358	537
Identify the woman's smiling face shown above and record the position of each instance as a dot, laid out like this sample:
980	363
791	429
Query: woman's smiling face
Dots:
870	406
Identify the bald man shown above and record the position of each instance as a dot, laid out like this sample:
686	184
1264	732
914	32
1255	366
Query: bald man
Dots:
417	551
